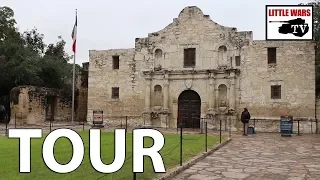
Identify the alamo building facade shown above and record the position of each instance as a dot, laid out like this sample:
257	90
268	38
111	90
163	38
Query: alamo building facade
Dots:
196	68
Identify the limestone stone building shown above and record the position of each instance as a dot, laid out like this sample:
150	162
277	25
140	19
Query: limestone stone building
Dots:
37	105
196	68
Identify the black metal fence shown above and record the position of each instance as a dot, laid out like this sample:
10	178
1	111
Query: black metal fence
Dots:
182	132
300	125
46	126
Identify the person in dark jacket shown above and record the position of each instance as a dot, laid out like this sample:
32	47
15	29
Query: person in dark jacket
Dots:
245	117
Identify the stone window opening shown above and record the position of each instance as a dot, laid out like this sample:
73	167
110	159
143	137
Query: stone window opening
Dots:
272	55
158	57
222	55
158	54
237	60
276	92
222	98
190	57
157	96
115	62
115	93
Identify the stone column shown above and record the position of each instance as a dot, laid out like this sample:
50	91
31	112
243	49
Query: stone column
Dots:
164	116
216	92
146	114
212	95
148	95
166	96
232	94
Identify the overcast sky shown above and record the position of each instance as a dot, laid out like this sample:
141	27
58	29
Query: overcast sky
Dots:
114	24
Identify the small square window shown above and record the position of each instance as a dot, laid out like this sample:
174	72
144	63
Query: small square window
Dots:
276	92
115	92
237	60
115	62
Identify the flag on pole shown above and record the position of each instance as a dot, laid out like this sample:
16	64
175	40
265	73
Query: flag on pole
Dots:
74	36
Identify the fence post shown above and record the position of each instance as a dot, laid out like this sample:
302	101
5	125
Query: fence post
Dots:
220	130
15	120
50	125
177	125
180	144
298	127
126	124
311	126
6	133
83	125
316	126
121	123
229	127
225	124
166	122
206	137
201	126
254	122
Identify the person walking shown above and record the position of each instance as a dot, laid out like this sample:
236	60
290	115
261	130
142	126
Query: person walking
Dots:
245	117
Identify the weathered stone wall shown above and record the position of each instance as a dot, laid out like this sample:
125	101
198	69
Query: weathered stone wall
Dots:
120	121
294	71
82	100
29	102
192	29
157	60
102	78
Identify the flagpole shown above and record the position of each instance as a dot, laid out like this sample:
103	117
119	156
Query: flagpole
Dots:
73	80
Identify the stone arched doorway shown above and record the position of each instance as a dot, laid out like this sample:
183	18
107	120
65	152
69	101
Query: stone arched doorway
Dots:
189	109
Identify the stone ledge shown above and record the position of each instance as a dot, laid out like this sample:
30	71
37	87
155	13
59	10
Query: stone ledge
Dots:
191	162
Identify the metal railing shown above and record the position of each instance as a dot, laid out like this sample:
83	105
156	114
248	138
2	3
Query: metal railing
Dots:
261	124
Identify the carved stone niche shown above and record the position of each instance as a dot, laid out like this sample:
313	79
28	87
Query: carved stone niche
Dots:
222	98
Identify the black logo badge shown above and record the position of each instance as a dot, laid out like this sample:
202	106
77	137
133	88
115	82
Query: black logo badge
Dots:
297	27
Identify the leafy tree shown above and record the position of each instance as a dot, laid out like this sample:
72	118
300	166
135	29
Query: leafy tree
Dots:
26	60
12	52
57	51
7	22
34	41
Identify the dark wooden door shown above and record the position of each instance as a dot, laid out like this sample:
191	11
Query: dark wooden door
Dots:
189	109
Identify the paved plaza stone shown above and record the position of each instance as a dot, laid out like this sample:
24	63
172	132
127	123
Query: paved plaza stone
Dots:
261	157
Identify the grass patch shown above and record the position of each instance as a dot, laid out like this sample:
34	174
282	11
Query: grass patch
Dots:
9	157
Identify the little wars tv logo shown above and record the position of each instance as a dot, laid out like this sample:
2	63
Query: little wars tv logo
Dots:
289	22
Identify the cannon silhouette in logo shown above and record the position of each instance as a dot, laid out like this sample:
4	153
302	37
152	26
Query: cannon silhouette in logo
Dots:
297	27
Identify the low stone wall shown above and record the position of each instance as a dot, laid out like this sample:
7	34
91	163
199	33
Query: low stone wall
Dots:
120	121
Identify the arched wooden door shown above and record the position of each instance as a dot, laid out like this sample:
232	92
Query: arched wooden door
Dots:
189	109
